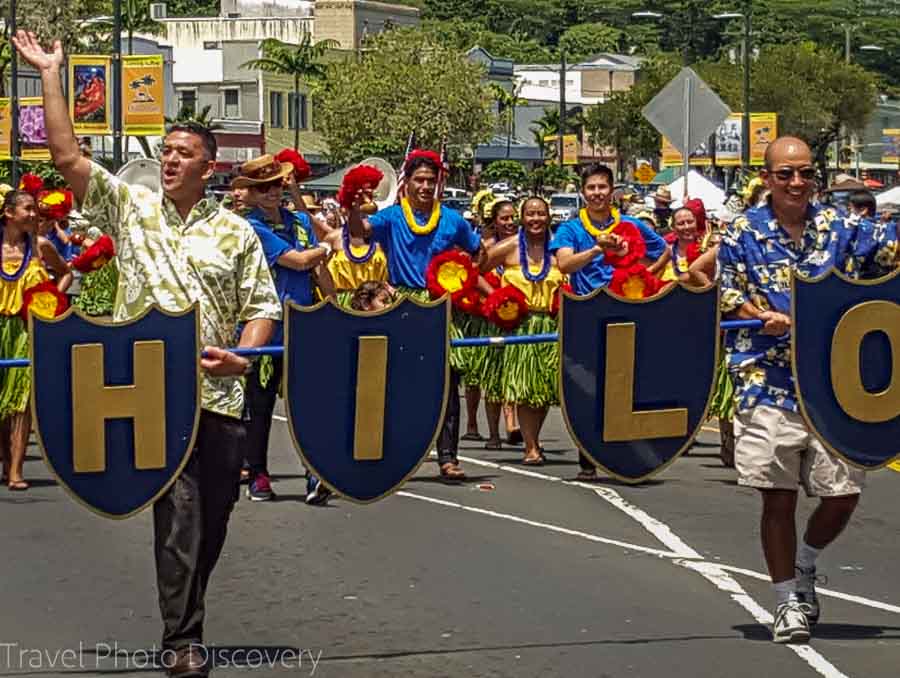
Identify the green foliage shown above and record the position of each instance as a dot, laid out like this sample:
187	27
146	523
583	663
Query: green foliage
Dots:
584	40
545	177
463	35
405	82
45	169
186	115
505	170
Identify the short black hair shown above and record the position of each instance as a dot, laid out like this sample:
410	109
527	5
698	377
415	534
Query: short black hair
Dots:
206	136
864	200
11	199
499	205
594	170
366	293
418	162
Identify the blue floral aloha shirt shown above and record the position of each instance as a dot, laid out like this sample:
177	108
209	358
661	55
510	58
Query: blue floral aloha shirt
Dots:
756	258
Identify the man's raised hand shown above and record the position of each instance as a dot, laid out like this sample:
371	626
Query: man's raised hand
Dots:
31	50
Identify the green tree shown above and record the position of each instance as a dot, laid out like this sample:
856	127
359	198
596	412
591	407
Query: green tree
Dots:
584	40
505	170
544	177
303	62
405	82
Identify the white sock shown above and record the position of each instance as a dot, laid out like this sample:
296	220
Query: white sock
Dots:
785	591
806	556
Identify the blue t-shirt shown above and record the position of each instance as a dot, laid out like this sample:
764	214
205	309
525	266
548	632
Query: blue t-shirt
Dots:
295	232
408	254
598	273
66	250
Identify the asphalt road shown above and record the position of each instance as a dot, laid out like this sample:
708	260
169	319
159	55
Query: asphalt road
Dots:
515	573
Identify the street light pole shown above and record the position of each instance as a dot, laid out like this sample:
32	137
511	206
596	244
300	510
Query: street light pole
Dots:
117	84
14	98
745	121
560	144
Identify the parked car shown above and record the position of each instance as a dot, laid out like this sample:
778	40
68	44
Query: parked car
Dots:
565	206
458	204
455	193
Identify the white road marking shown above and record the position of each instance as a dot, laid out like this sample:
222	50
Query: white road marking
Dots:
279	417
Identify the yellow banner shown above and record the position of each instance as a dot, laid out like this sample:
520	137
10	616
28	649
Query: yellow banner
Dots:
143	96
570	149
5	129
891	140
32	130
763	130
90	94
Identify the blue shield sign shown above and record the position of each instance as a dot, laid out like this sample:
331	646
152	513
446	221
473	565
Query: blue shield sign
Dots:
636	376
846	361
116	405
366	392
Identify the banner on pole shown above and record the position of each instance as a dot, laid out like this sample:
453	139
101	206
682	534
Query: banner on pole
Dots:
5	129
891	141
32	129
570	149
143	96
729	142
90	94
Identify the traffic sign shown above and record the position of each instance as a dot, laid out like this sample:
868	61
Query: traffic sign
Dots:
644	174
686	111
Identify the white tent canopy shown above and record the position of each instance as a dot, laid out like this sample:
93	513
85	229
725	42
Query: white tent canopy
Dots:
889	197
700	187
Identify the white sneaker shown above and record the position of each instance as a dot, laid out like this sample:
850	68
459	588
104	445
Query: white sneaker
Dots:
790	623
806	594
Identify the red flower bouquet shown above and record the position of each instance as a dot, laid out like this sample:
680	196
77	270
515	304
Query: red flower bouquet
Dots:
451	272
492	279
634	282
44	301
55	204
355	180
96	256
506	307
31	183
470	302
301	167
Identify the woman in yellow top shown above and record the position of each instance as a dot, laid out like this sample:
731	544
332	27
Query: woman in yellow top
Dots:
355	262
530	371
21	255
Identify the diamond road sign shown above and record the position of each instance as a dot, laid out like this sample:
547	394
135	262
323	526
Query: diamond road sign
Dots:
686	101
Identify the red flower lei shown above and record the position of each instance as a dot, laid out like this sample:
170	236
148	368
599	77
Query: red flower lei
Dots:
506	307
451	272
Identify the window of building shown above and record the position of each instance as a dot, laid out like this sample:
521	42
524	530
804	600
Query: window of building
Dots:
276	109
231	103
297	106
187	100
212	45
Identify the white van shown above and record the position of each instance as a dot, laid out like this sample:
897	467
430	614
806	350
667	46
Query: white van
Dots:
455	193
565	206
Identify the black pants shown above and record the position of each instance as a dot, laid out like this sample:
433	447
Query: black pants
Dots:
448	441
190	522
260	404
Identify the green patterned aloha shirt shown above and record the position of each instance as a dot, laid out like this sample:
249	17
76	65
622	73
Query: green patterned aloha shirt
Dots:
213	257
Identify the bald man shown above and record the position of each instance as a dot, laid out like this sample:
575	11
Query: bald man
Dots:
775	452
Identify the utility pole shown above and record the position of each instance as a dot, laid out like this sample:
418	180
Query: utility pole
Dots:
562	108
14	145
745	120
117	84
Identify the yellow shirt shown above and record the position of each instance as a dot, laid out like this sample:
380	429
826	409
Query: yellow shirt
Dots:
669	273
11	292
348	275
540	294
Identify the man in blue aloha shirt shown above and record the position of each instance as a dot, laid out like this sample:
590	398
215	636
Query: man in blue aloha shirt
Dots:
775	451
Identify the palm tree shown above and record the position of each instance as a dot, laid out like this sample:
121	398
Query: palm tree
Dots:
506	104
303	62
202	118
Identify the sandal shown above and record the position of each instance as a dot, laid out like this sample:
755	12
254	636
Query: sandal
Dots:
18	486
586	476
474	437
452	471
493	445
533	461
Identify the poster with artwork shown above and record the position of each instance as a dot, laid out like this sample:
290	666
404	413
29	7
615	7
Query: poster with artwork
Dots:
32	130
89	94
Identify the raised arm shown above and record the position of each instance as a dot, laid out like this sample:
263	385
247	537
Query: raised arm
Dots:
498	254
75	168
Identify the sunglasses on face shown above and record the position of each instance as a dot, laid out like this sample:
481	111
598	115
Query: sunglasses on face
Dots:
787	173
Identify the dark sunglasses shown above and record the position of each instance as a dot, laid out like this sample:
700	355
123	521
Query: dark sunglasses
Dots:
787	173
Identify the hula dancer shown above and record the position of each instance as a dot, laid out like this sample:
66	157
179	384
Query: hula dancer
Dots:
530	370
684	249
355	260
99	274
22	274
411	234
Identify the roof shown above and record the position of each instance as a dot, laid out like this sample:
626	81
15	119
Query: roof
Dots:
330	182
605	61
494	65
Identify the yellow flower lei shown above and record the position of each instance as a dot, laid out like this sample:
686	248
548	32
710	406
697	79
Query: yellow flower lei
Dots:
411	219
593	230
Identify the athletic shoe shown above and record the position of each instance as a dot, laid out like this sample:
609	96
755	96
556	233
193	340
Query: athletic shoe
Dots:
316	492
790	624
806	594
260	489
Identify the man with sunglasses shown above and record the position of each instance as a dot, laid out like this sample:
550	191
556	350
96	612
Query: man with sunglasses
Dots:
775	451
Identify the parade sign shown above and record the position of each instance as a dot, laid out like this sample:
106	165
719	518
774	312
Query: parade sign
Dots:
116	405
32	129
90	94
891	140
729	143
846	362
570	149
143	95
631	406
5	129
366	393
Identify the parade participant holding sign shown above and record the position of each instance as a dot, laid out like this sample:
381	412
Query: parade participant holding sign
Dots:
588	247
775	450
177	249
411	234
23	276
530	371
295	257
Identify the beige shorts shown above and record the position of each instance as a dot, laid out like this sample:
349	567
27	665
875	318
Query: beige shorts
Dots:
775	450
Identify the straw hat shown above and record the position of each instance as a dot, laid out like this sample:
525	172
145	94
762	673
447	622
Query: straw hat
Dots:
311	203
845	182
663	194
262	170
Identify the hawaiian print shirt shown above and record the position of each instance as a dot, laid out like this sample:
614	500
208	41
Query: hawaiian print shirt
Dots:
756	259
213	257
